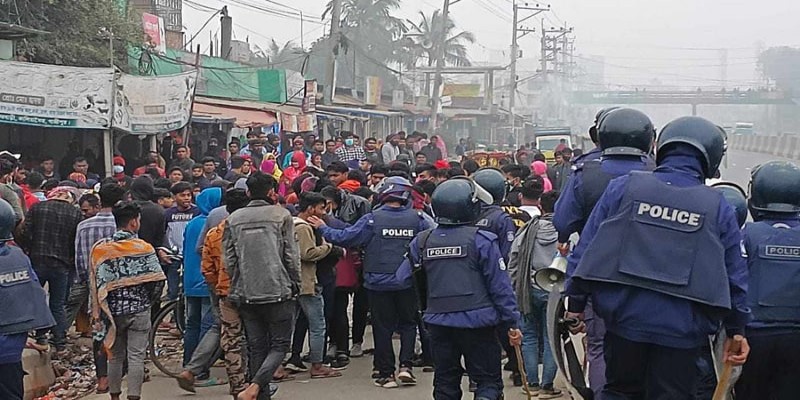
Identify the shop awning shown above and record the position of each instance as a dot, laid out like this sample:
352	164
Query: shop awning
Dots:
364	112
243	118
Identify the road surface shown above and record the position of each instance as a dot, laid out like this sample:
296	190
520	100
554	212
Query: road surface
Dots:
355	384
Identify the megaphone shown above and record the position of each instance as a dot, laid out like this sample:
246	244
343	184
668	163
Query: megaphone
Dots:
552	278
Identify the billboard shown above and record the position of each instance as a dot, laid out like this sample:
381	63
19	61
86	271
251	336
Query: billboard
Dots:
155	37
373	93
153	104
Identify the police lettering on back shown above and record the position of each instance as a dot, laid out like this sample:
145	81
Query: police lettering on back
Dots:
397	233
14	277
656	211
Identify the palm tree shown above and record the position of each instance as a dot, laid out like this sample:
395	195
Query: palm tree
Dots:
288	56
428	34
370	26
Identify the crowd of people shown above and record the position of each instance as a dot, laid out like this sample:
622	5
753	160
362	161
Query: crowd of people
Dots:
320	240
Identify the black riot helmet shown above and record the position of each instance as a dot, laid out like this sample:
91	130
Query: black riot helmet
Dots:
735	196
775	187
457	201
493	181
699	133
8	221
625	127
597	118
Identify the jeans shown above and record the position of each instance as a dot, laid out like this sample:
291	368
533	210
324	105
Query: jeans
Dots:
639	371
340	329
393	311
232	333
11	376
533	326
481	353
203	355
360	311
131	339
57	279
268	330
772	367
314	309
77	300
173	279
196	324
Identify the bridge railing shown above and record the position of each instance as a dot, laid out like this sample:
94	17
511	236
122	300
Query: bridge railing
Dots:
787	146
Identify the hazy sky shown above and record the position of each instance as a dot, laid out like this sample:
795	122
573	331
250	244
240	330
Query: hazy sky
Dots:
675	42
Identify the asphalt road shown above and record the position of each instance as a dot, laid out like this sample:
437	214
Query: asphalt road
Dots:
355	384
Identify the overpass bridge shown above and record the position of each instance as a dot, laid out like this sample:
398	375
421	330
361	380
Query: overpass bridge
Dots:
693	98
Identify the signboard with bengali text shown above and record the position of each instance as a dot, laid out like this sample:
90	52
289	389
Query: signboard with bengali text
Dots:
153	104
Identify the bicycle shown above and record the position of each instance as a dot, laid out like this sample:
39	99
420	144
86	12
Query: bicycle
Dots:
165	338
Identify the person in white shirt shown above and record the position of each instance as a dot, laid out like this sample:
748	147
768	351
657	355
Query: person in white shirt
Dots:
529	196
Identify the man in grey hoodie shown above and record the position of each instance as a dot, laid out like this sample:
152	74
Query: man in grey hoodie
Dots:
533	249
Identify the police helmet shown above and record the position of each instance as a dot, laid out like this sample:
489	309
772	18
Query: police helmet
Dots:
457	201
735	196
493	181
625	127
394	188
775	187
597	118
699	133
8	221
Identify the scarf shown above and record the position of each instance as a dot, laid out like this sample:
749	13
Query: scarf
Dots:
122	261
524	259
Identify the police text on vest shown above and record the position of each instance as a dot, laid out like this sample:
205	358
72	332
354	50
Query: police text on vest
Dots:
13	277
392	232
669	214
783	251
444	252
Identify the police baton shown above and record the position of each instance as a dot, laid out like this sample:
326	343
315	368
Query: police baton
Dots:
512	334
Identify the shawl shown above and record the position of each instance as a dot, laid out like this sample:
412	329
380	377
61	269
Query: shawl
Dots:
121	261
523	261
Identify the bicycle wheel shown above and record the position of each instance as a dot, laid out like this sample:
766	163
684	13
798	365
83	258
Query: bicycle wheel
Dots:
166	339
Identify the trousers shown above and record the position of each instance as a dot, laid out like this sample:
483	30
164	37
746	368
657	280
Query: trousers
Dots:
481	353
268	330
131	341
393	311
772	367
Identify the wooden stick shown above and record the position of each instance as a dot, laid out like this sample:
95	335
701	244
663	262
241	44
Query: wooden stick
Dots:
521	367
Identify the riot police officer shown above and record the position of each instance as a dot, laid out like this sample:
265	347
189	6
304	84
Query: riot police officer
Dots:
625	136
773	258
493	219
660	257
468	292
735	196
24	307
597	151
385	234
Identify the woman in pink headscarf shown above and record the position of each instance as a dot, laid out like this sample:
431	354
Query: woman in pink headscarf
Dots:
437	140
539	168
270	167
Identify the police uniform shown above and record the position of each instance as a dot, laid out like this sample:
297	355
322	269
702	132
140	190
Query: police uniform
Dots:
493	219
24	308
660	258
385	234
469	295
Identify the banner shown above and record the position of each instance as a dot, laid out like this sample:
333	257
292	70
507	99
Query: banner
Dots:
461	90
310	97
153	104
154	34
55	96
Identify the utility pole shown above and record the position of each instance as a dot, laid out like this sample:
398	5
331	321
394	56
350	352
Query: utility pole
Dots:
437	75
330	83
517	32
226	28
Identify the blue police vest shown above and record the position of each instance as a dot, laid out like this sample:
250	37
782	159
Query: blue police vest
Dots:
488	221
455	278
594	182
24	303
664	238
773	257
392	232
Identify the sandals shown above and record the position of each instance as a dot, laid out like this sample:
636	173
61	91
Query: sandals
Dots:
282	378
325	373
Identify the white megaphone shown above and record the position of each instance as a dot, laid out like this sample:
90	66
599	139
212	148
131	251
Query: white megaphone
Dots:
552	278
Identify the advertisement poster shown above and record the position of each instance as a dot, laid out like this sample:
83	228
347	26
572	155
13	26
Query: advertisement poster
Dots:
154	34
55	96
153	104
373	95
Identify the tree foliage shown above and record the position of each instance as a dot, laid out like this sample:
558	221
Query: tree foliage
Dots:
288	56
78	31
427	43
781	64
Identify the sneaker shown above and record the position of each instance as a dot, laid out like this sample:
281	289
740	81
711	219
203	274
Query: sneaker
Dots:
549	393
375	374
473	386
339	363
273	388
295	365
356	350
533	389
517	378
386	382
406	377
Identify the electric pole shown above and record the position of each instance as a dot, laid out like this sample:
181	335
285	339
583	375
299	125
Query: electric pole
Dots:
518	32
330	77
437	75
